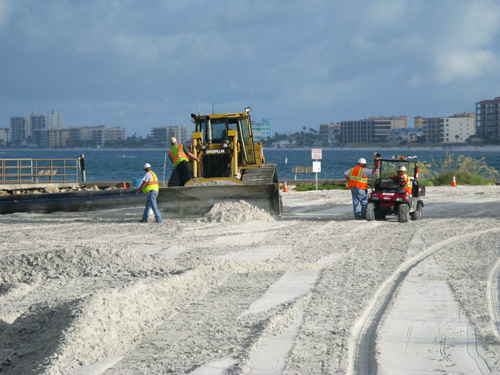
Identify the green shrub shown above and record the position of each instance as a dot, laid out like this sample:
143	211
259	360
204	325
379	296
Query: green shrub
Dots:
467	171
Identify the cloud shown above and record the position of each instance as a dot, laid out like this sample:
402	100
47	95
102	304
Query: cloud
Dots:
467	47
6	9
466	65
298	62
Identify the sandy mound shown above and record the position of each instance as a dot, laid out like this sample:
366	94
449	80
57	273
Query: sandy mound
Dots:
235	212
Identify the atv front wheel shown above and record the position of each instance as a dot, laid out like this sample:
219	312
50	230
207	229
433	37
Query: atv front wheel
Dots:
370	212
417	215
403	213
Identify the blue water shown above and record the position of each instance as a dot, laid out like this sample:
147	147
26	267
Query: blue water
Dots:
109	165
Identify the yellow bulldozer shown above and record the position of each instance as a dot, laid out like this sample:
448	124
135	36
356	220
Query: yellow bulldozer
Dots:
232	167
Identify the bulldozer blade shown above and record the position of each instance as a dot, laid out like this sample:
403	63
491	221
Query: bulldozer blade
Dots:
195	201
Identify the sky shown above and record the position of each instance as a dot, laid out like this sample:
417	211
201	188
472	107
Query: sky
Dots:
142	64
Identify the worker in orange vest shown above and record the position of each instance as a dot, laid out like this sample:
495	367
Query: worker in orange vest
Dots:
358	183
403	179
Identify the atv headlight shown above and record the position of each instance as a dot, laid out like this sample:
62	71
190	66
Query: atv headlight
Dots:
399	199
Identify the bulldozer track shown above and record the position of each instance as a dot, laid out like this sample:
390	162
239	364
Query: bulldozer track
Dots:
266	174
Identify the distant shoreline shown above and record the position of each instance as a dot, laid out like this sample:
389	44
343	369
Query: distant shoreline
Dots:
393	148
375	147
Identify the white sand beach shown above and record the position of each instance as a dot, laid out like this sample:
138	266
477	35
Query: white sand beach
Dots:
241	292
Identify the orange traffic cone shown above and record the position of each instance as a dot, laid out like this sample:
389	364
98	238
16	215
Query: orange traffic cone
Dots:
285	188
124	185
454	182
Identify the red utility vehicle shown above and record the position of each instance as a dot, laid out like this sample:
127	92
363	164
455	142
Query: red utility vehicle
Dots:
388	197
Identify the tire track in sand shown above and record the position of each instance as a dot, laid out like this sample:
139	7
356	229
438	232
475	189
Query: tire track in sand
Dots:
493	297
362	359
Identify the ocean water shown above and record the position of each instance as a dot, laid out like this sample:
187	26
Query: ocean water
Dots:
110	165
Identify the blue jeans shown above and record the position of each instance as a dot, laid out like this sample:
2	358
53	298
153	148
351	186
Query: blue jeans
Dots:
151	203
359	197
184	172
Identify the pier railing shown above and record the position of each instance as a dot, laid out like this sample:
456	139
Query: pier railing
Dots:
33	171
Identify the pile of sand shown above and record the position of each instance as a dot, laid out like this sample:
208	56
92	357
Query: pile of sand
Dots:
235	212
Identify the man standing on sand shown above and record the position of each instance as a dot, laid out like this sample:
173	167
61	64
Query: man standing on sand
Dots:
179	155
151	187
358	183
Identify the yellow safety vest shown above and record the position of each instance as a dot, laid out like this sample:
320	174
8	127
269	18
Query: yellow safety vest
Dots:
357	178
177	154
151	185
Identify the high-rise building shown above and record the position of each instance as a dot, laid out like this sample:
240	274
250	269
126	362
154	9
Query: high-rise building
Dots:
329	133
4	136
20	128
94	136
58	138
80	136
371	130
488	119
419	122
52	138
102	135
161	135
453	129
24	128
262	130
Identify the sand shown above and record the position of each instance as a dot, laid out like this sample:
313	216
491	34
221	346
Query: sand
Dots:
242	292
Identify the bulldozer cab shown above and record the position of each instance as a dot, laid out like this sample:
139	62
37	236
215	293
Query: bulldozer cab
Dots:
224	143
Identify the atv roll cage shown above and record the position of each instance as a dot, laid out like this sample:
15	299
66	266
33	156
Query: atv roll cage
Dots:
388	167
389	197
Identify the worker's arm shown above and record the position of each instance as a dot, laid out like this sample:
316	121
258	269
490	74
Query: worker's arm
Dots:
191	155
140	188
347	174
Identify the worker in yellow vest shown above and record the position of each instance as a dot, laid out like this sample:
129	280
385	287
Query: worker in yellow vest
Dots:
358	183
179	155
151	187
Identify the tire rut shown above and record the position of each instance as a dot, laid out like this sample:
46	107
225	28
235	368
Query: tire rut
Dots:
362	346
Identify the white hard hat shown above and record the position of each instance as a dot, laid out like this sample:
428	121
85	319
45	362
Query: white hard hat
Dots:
173	141
402	168
362	161
147	166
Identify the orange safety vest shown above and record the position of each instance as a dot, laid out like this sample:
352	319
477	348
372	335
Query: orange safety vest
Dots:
407	186
177	154
357	178
151	185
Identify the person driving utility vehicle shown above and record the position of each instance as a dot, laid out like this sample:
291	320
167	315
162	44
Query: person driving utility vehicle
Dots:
403	179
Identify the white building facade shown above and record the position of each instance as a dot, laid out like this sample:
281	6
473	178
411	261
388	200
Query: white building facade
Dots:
448	130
